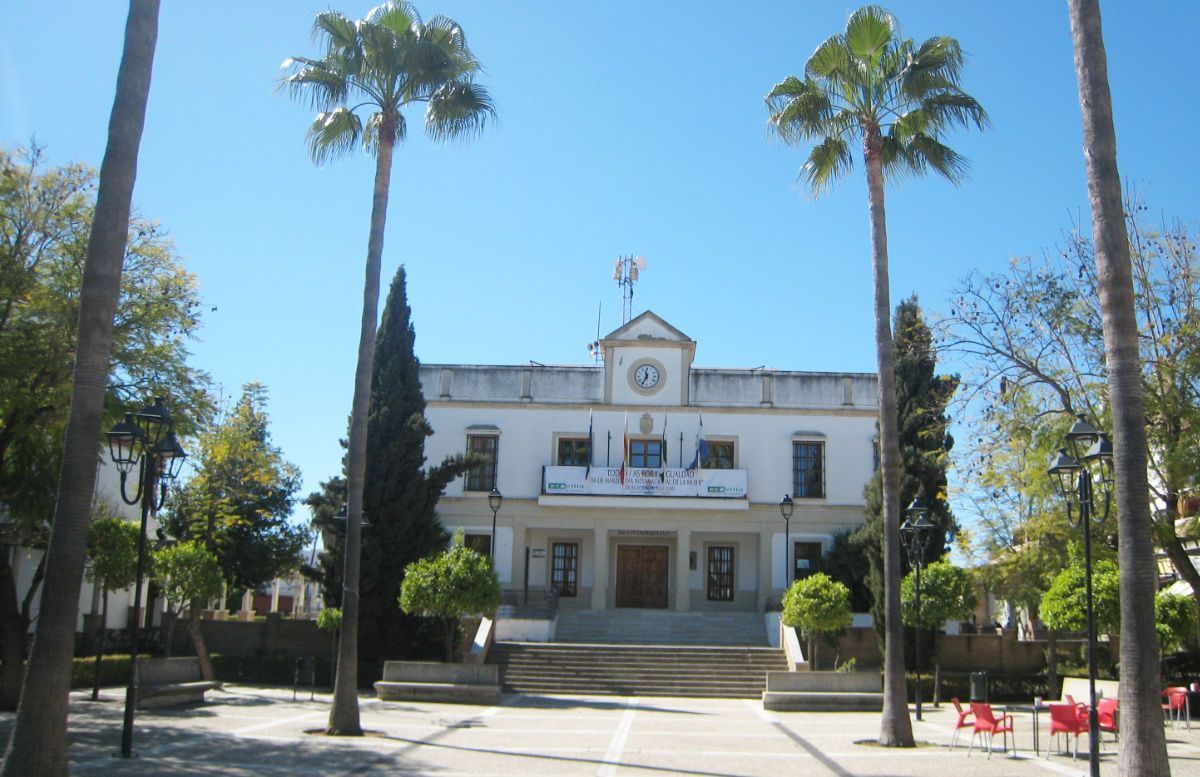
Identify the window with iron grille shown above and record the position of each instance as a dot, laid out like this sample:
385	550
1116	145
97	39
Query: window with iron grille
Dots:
720	573
808	469
645	454
564	569
719	454
573	452
484	447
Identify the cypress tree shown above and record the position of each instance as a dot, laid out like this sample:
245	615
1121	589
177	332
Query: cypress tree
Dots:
399	496
925	443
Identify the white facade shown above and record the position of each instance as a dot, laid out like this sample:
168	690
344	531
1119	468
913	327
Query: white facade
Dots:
664	536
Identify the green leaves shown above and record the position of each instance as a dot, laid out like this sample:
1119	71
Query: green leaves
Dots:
455	583
1064	606
817	605
112	549
947	593
187	572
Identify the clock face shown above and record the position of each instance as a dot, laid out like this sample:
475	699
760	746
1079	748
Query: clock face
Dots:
646	376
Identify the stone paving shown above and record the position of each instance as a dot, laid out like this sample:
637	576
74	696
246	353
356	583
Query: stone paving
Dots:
249	731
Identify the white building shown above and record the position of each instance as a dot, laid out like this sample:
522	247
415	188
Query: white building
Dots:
664	530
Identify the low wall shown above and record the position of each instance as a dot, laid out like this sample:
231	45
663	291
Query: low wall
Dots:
273	636
995	652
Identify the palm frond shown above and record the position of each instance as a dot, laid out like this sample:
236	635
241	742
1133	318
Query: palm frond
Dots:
339	31
830	61
397	16
333	134
800	110
370	136
458	110
829	160
918	153
315	82
953	107
870	31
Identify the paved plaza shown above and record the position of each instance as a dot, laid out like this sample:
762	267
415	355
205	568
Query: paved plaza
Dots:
260	732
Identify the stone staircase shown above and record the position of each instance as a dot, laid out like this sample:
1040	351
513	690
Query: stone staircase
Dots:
635	670
661	627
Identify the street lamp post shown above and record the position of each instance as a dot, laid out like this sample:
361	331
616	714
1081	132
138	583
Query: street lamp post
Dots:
495	499
786	506
147	441
1074	473
914	534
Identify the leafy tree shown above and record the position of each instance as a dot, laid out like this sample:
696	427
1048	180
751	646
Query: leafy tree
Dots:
898	98
239	501
1174	620
1143	744
112	549
384	63
448	586
45	218
1064	606
189	575
818	606
925	443
38	743
947	594
330	619
847	563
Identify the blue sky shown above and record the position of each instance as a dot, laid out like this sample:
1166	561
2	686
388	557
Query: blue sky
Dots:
624	127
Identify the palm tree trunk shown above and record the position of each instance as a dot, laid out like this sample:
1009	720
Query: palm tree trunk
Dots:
38	744
1143	744
100	642
343	717
895	726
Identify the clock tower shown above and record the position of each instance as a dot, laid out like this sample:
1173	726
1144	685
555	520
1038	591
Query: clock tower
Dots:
647	362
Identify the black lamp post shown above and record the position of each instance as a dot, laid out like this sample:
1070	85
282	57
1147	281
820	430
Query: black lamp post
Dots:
914	534
146	440
495	499
1075	473
786	506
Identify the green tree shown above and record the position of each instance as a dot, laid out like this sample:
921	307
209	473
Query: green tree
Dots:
330	619
898	99
400	496
448	586
1143	744
189	575
947	594
45	217
38	743
112	549
1064	606
1174	620
240	499
384	63
925	443
818	606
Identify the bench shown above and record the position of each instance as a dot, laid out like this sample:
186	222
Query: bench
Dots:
432	681
169	682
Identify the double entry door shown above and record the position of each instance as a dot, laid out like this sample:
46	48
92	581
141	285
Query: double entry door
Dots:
642	575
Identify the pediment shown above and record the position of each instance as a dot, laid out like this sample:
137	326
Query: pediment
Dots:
647	327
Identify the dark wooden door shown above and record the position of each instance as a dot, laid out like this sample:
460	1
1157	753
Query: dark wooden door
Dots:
642	575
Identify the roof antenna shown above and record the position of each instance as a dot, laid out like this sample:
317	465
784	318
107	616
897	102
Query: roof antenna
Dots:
594	351
625	273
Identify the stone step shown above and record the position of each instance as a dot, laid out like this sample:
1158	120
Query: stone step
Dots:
662	627
729	672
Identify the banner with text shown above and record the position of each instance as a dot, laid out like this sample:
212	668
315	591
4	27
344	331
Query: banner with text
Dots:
606	481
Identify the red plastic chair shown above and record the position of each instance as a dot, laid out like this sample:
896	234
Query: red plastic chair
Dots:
1106	714
965	720
1068	719
986	722
1176	707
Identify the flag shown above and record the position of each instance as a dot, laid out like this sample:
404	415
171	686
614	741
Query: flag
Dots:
701	446
588	471
625	448
662	462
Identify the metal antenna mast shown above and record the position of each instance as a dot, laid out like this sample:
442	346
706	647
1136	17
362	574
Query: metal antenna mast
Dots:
625	273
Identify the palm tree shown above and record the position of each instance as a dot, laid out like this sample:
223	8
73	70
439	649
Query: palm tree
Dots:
1143	746
380	65
897	98
38	745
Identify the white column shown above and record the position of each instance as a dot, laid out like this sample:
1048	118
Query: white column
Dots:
600	570
765	563
683	572
275	597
